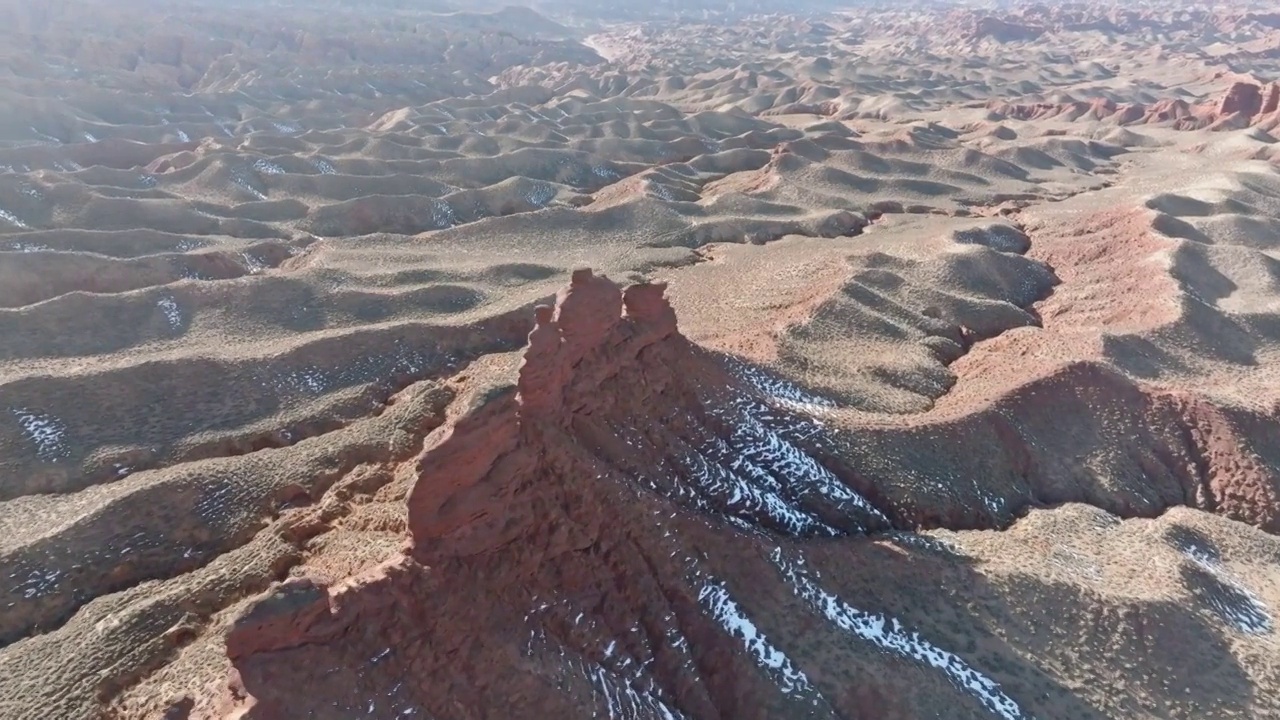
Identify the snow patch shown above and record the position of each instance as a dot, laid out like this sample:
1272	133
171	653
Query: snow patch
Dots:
264	165
620	685
993	503
889	635
26	247
172	313
243	183
13	219
770	450
761	474
749	492
311	380
783	392
714	598
252	263
47	433
754	469
540	194
36	583
921	541
1229	599
621	699
660	190
442	215
45	137
217	504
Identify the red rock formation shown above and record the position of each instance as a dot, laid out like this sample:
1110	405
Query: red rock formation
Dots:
554	500
1243	98
1001	30
1168	110
1130	113
1271	101
462	504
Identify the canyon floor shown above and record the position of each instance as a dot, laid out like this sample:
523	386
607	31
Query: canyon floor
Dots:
665	360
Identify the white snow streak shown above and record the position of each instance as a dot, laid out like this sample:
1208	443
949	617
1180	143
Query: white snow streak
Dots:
442	214
622	700
786	394
768	449
28	247
1237	606
267	167
715	599
750	492
540	194
46	432
889	635
37	583
172	313
621	686
243	183
13	219
661	191
44	136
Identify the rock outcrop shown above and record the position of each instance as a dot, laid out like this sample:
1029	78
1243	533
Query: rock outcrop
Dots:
553	555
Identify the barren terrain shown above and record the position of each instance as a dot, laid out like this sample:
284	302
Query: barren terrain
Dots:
428	359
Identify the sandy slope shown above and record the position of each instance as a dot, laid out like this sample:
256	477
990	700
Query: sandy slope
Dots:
973	408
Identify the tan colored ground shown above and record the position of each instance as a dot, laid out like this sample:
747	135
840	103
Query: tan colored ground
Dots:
267	274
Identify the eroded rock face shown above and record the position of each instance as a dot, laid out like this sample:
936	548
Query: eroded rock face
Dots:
1271	99
608	388
1243	98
